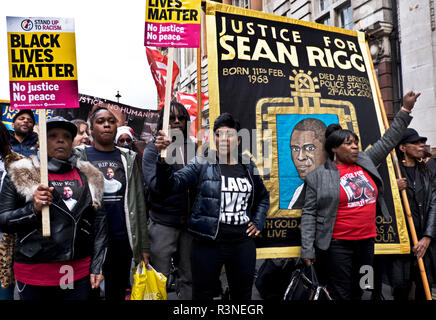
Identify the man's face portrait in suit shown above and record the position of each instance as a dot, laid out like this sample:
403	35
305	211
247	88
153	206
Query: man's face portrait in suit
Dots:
307	146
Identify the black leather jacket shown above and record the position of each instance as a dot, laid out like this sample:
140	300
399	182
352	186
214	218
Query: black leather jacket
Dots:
424	219
73	236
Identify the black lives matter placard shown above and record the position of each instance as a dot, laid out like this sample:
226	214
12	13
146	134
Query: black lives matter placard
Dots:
275	74
172	23
42	63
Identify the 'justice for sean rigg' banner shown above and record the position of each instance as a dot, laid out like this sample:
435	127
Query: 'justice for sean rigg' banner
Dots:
172	23
290	79
42	63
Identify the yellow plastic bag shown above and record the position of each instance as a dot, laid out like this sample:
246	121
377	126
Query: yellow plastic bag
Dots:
148	284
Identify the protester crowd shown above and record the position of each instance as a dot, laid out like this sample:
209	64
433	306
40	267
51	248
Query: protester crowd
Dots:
172	207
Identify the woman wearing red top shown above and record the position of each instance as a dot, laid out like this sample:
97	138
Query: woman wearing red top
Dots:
342	196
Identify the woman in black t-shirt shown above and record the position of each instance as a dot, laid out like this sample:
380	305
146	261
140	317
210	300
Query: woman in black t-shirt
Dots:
123	200
229	211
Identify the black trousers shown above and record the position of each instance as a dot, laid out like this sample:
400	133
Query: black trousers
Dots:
403	281
207	260
339	267
116	270
80	291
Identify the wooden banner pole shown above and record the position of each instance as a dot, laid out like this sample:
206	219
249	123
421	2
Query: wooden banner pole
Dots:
399	176
199	102
43	168
168	94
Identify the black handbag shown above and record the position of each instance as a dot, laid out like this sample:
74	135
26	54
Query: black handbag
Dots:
304	286
273	277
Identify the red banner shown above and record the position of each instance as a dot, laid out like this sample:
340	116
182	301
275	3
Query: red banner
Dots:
158	66
190	103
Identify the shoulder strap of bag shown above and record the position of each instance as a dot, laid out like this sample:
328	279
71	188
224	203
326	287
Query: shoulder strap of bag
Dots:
311	274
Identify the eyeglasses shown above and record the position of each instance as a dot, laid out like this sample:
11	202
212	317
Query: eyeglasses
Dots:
180	118
122	140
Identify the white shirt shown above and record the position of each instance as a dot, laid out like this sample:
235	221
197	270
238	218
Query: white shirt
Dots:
70	203
112	186
295	196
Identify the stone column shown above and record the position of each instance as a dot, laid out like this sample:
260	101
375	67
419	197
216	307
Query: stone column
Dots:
418	56
380	48
256	5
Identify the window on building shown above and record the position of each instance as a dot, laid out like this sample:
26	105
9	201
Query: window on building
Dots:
241	3
187	58
182	61
334	13
324	4
325	20
345	17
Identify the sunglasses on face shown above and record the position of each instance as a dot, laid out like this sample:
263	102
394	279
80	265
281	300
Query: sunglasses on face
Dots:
122	140
173	118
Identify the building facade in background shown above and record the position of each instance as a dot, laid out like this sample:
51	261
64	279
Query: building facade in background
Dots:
402	42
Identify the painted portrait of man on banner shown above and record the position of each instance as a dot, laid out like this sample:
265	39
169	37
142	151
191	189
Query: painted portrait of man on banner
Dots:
300	150
289	90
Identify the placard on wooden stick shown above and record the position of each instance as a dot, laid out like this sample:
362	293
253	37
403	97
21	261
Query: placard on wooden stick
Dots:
168	93
172	27
48	85
43	168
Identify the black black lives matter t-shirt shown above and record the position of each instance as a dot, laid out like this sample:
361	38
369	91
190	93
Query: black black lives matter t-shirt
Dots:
235	194
69	186
110	164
